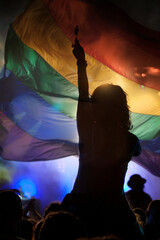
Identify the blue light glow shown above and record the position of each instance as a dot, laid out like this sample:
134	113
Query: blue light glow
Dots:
28	187
50	180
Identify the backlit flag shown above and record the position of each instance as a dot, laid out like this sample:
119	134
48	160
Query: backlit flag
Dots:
39	93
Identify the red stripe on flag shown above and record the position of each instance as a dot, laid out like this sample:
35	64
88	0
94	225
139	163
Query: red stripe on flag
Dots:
111	37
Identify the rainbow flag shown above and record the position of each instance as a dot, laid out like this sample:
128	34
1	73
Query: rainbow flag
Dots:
38	90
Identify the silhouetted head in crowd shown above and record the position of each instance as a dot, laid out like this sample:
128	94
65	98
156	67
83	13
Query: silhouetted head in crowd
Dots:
61	225
53	207
153	212
140	216
25	229
37	229
10	211
136	182
111	106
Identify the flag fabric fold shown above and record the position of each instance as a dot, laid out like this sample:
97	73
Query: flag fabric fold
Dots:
38	89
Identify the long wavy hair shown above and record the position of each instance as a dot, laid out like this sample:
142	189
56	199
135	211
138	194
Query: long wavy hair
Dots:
111	101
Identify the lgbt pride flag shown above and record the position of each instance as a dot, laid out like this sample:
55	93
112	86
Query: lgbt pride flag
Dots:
38	90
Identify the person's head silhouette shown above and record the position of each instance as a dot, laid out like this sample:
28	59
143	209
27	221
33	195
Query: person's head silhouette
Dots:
10	211
111	106
136	182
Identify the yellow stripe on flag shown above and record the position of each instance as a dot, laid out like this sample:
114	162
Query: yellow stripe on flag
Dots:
37	29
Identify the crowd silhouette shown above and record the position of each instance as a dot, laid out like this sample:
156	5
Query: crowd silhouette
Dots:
58	223
97	207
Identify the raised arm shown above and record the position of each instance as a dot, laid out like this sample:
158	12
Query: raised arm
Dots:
83	111
79	54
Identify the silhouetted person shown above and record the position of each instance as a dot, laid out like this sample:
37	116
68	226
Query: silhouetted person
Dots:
37	229
25	229
10	214
60	226
106	146
136	197
152	228
32	209
53	207
140	216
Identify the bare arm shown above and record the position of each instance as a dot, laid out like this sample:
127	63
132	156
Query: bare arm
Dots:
82	75
83	111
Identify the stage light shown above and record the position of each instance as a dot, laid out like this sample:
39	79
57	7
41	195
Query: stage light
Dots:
27	186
